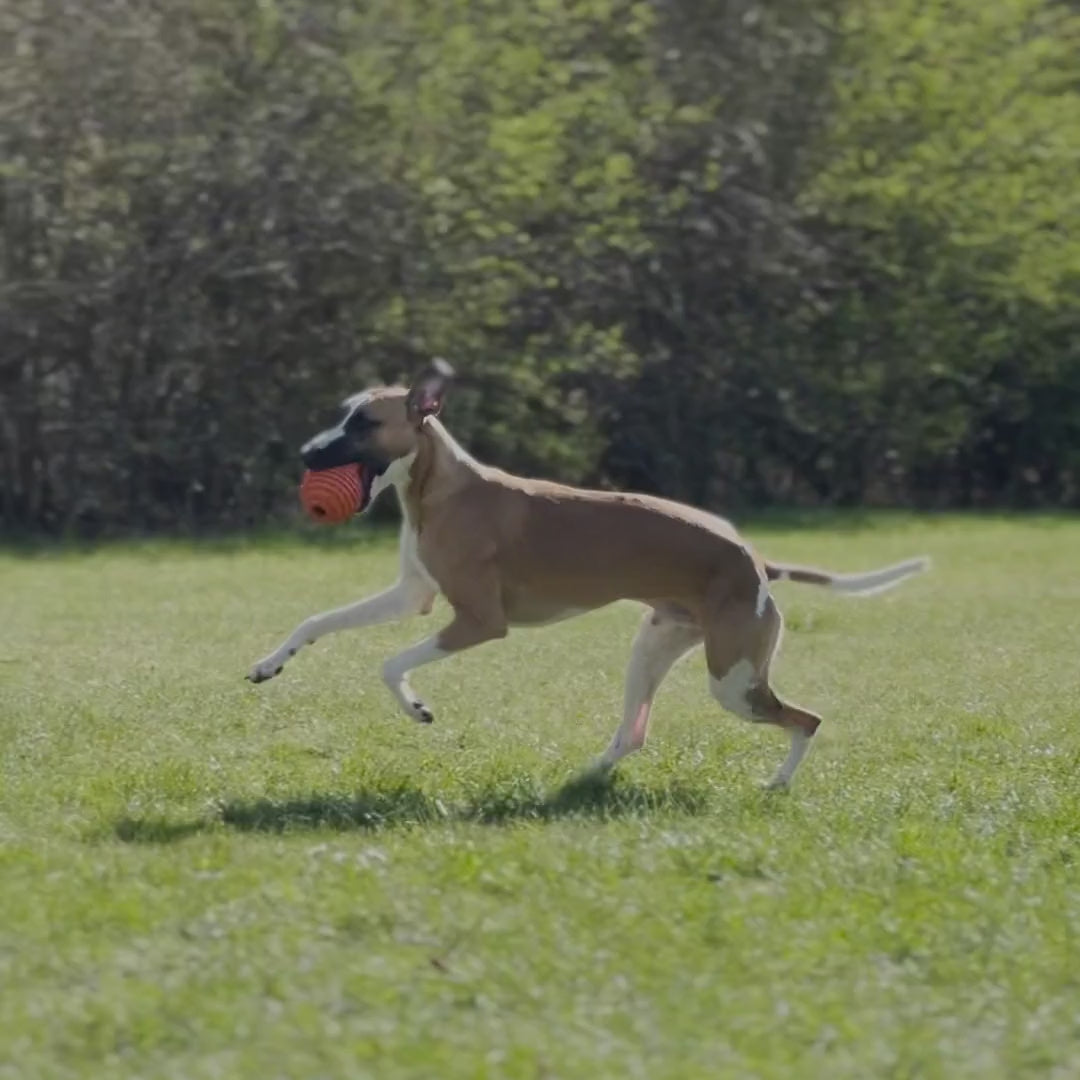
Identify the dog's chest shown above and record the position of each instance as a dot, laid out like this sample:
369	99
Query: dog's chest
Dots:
411	558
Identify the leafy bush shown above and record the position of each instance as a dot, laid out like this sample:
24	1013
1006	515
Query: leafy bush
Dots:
740	254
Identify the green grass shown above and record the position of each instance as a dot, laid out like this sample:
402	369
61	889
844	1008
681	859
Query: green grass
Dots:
201	878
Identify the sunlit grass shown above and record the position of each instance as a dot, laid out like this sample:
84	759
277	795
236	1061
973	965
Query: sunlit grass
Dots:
203	878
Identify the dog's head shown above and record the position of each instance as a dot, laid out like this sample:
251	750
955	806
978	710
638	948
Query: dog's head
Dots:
379	430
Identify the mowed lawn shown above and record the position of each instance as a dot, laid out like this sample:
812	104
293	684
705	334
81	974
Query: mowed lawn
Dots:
202	878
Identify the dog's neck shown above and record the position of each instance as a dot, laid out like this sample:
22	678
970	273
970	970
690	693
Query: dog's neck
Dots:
438	468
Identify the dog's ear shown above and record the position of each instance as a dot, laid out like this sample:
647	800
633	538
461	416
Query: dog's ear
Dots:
428	389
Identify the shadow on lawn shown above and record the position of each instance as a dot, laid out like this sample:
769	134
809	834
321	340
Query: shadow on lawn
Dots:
405	806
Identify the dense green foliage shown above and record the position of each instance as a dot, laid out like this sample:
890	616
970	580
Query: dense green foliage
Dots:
204	879
737	252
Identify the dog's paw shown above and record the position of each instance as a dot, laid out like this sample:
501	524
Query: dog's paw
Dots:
599	769
420	712
264	670
777	783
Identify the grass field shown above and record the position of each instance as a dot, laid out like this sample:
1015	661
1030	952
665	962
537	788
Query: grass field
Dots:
201	878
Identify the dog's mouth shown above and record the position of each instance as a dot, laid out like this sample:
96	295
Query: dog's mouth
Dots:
368	475
367	481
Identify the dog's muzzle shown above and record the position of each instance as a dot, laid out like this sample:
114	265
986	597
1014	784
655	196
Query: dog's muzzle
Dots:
332	450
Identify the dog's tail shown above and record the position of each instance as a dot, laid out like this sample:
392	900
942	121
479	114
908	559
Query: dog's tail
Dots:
873	581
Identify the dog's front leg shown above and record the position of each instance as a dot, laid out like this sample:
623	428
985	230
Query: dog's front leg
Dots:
466	631
410	596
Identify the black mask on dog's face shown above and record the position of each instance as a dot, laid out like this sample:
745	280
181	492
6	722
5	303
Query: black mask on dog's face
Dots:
378	427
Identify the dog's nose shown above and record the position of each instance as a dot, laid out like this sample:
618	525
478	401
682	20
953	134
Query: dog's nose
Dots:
318	458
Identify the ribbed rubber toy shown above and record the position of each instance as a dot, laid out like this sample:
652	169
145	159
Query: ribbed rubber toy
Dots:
331	496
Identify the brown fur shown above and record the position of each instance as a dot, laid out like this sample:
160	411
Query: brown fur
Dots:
508	551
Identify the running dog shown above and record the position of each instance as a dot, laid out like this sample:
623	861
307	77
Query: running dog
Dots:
508	551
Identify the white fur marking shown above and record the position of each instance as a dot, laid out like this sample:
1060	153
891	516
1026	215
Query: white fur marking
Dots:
323	439
409	553
409	596
356	401
396	475
457	451
800	743
877	581
731	690
396	670
762	597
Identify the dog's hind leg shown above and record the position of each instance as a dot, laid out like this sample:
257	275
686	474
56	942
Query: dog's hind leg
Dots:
659	643
739	646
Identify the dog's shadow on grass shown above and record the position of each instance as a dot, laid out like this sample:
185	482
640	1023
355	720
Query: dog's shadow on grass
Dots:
595	798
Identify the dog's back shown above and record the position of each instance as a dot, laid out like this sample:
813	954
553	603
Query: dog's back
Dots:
554	544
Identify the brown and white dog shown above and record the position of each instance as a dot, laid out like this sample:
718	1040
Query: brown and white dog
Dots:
507	551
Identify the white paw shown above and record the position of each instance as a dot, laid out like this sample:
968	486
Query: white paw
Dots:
405	696
417	710
266	668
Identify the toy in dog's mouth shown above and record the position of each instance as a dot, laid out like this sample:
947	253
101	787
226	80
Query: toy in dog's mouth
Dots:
332	496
